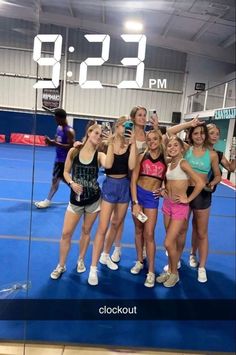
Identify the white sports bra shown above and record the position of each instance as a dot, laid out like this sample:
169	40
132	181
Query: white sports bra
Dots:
177	173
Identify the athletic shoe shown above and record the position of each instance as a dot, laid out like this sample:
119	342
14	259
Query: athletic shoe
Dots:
166	267
106	260
57	272
136	268
171	281
202	276
116	255
43	204
162	277
193	260
150	280
93	276
80	266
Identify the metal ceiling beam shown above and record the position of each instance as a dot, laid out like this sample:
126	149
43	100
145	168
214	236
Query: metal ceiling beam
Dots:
186	46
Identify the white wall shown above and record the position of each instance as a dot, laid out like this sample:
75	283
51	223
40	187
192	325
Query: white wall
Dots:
203	70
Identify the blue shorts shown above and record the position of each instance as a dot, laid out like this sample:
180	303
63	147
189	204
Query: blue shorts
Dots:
116	190
146	198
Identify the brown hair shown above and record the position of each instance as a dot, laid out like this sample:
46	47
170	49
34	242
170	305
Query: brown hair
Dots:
135	110
84	140
203	130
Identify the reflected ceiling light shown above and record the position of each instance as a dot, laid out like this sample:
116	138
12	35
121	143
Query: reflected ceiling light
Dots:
70	49
69	74
134	26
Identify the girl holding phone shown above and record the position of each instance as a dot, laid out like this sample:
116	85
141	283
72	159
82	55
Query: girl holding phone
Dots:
147	177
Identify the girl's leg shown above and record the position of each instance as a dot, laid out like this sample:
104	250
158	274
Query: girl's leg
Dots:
194	245
201	220
149	229
117	220
104	220
89	219
172	234
70	222
139	240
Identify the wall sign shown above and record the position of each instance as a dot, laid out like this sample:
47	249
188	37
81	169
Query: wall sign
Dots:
225	114
200	86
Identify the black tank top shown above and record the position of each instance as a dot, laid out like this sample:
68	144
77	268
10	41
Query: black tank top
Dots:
120	165
86	175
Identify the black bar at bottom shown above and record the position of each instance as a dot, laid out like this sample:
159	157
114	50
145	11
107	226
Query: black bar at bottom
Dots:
100	309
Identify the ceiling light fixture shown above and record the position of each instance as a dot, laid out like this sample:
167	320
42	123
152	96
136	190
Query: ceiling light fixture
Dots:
134	26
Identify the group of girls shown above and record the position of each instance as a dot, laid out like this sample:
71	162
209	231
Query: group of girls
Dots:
150	166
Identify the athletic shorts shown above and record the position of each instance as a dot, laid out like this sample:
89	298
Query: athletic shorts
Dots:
146	198
177	211
116	190
58	170
92	208
202	201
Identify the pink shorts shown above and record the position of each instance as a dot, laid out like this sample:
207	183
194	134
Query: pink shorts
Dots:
175	210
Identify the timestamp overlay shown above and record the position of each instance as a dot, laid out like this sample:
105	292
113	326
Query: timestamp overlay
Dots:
105	40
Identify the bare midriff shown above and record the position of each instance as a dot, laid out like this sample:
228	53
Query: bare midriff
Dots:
176	187
149	183
117	176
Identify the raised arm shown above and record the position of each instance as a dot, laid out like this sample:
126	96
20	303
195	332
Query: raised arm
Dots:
172	131
133	152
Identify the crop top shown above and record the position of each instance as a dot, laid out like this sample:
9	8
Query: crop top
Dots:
177	173
141	146
120	165
155	168
201	165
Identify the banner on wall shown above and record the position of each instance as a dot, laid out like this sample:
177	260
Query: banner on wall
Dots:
51	98
225	114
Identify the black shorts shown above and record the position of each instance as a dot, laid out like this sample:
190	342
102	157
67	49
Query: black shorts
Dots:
58	170
202	201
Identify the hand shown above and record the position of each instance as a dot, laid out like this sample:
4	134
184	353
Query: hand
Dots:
210	186
181	199
161	192
77	144
77	188
154	121
136	209
49	141
195	122
109	138
132	139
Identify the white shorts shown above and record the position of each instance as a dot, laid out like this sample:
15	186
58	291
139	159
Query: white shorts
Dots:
92	208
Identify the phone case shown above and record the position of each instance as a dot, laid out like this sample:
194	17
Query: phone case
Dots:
142	217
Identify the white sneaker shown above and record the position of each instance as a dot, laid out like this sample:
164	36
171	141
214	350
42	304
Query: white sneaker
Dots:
193	260
172	280
137	268
106	260
43	204
80	266
57	272
93	276
116	255
150	280
202	276
166	267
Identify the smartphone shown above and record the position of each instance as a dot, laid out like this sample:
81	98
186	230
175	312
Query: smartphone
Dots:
106	127
152	113
128	128
142	217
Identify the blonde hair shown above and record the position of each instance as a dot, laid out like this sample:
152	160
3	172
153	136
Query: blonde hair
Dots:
120	121
84	140
159	135
135	110
212	126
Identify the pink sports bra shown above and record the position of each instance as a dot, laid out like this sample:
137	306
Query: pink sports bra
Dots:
155	168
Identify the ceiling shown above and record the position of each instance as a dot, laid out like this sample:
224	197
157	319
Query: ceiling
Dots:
200	27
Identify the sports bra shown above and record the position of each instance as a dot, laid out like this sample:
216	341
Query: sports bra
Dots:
155	168
201	165
177	173
120	164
